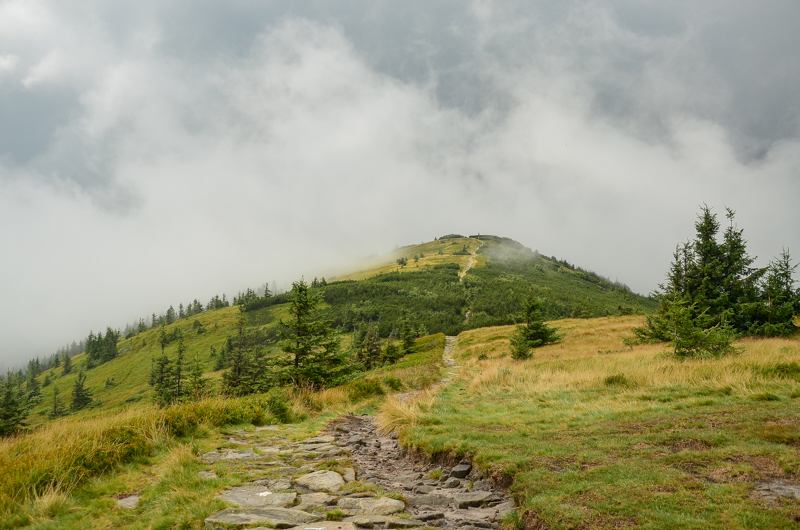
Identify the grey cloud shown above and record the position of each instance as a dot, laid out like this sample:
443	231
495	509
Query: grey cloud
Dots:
180	150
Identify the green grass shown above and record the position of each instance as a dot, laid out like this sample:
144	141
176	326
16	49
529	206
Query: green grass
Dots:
626	439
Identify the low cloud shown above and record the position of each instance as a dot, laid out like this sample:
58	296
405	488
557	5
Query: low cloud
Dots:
591	132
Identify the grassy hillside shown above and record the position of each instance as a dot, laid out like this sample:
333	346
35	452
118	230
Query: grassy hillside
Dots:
593	434
434	292
437	291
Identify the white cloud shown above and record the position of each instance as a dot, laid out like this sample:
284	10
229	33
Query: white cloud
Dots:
175	179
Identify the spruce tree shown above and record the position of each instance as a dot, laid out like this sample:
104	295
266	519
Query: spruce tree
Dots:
177	370
534	333
81	396
13	405
67	364
197	384
315	357
780	301
161	376
370	353
58	407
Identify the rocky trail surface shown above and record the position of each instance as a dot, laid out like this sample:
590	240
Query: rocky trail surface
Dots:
351	477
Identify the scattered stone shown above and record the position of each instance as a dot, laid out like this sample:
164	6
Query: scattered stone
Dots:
367	521
356	440
342	428
461	470
207	475
423	489
379	506
273	517
452	483
288	470
321	480
257	497
473	498
349	474
129	503
400	522
268	428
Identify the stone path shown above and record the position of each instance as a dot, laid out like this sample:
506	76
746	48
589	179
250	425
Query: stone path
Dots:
351	478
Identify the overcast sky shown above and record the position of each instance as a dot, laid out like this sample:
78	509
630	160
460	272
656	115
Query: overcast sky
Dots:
155	152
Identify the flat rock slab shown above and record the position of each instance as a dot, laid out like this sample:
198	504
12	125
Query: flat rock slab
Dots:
311	500
431	499
473	498
327	525
321	480
327	439
230	455
129	503
257	497
400	522
349	474
473	515
268	428
367	521
772	490
272	517
379	506
272	484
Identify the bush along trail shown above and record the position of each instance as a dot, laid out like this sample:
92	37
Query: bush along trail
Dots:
350	477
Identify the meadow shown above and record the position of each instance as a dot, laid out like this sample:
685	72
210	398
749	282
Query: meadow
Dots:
591	433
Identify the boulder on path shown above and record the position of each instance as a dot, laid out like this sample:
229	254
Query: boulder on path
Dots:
461	470
452	483
321	480
273	517
367	506
473	498
257	497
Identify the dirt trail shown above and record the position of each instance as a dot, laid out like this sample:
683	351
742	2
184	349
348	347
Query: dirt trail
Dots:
296	492
470	263
459	496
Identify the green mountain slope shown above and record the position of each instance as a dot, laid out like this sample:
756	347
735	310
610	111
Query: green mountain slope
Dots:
455	283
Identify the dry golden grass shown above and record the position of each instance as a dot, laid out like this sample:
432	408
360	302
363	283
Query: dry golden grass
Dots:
397	416
592	351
